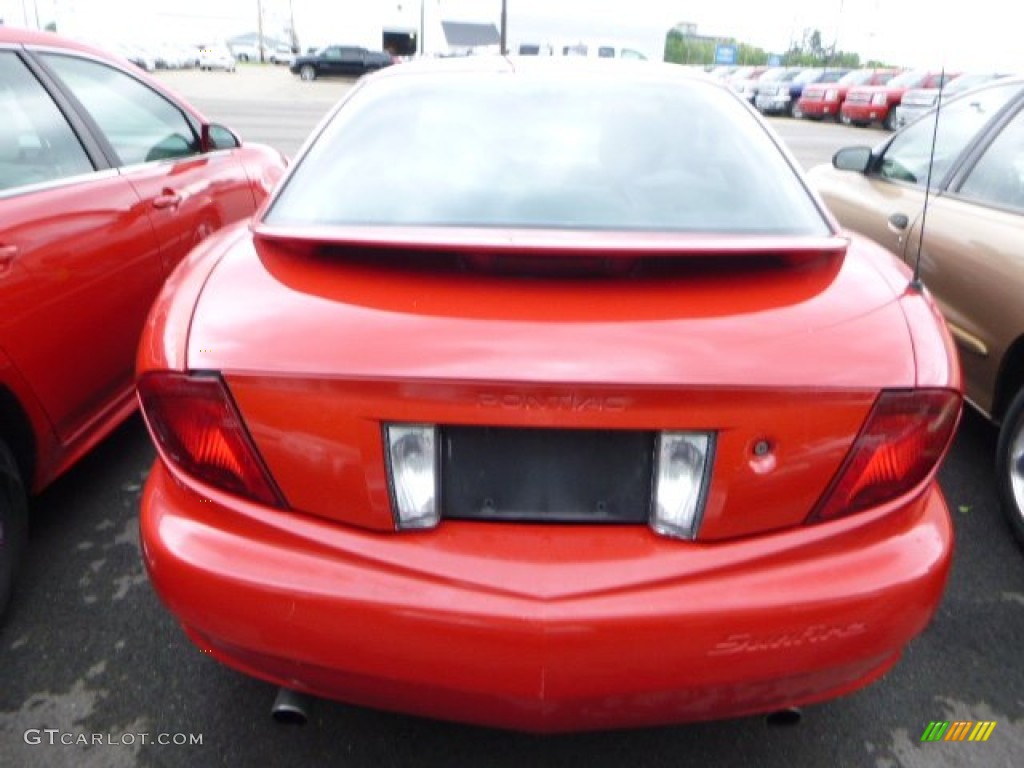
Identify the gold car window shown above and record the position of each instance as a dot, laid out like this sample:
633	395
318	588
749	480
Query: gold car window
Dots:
998	177
907	158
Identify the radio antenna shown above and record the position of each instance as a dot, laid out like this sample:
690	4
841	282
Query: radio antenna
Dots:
915	281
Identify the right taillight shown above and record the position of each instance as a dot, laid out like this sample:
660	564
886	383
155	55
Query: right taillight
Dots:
899	447
198	430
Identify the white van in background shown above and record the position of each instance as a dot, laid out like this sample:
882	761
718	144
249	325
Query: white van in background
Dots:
599	50
534	49
586	49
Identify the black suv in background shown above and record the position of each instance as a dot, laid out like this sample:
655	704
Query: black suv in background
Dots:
343	60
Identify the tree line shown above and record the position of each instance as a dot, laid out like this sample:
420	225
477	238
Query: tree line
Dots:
809	51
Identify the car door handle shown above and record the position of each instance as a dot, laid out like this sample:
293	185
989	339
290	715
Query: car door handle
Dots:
7	256
898	222
167	199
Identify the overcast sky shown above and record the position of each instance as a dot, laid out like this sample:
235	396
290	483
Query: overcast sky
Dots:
914	32
926	32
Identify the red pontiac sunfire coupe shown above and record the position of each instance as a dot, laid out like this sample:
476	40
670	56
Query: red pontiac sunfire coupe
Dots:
544	395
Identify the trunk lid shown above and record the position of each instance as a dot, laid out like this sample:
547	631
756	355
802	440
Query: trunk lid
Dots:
779	344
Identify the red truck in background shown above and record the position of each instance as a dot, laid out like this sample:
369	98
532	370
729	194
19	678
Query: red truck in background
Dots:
824	100
876	103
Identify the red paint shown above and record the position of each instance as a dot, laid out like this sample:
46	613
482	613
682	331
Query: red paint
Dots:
860	106
525	626
81	261
824	100
780	346
547	628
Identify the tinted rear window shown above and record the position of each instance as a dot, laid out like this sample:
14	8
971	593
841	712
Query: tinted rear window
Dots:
909	80
832	77
857	77
529	151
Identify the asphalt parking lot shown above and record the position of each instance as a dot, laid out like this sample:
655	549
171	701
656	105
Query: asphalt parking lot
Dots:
261	103
271	105
95	672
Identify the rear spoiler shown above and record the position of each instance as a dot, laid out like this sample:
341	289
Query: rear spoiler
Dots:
543	244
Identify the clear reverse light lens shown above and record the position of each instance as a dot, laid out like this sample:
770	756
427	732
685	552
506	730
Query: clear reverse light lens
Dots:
412	465
684	459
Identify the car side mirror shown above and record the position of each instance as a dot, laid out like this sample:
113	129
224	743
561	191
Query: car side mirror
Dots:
216	137
852	159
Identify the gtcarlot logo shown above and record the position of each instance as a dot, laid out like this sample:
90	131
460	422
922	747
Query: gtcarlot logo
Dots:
57	737
963	730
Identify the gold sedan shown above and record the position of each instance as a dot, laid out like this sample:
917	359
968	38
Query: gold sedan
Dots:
970	156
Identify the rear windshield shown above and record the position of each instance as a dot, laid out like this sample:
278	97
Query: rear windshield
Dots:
529	151
966	82
833	76
772	75
857	77
909	80
808	75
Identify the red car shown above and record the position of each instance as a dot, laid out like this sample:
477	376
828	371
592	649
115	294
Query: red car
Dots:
877	103
106	183
824	100
515	408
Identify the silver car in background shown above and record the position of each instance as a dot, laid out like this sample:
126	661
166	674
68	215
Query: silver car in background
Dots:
918	101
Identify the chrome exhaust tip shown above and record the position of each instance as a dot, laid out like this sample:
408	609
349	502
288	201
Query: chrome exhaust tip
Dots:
787	717
290	707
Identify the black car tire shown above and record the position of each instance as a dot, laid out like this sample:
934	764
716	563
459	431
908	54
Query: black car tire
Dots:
307	73
1010	466
13	522
890	121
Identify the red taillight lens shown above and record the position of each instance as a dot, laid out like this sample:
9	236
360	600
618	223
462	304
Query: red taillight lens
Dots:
198	430
900	445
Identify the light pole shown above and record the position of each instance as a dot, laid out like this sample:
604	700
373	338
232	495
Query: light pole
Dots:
291	27
504	28
423	15
259	27
839	25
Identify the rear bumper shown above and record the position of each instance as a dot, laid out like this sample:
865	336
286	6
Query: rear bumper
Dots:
546	628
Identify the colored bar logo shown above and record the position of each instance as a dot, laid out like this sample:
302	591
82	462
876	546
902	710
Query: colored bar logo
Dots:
959	730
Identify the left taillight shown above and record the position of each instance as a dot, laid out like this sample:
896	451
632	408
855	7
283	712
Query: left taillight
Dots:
198	430
899	447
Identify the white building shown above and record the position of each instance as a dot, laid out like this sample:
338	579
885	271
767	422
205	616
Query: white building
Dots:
368	23
373	24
